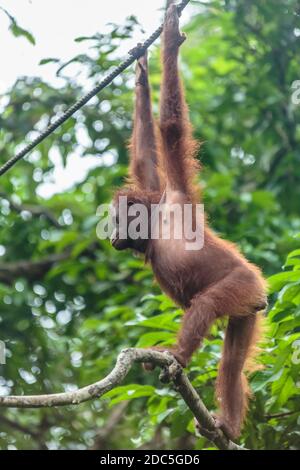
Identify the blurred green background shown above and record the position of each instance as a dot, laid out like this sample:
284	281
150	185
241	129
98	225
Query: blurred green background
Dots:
69	303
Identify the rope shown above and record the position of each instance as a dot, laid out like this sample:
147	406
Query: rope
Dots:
134	54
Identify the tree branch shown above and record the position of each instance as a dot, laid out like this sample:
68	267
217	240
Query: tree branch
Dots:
282	415
34	210
171	371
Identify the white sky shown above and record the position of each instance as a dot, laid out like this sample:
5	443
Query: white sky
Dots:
55	24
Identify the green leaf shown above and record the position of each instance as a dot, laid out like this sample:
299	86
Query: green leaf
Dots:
294	253
49	60
16	29
264	199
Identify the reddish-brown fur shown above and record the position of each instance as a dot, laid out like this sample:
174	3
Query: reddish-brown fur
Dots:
215	281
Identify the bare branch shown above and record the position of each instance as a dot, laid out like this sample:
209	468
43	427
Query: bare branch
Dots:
105	432
171	370
35	270
31	270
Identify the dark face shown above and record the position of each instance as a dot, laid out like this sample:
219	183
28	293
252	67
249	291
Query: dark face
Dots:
132	227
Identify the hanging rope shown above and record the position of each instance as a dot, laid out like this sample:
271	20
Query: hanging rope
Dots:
134	54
